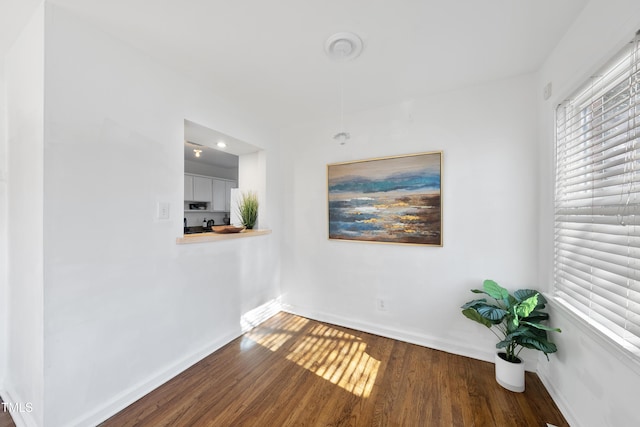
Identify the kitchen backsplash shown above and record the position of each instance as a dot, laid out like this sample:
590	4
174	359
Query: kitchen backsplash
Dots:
195	219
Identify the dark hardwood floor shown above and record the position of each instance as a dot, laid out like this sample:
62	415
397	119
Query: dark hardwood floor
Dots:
291	371
5	417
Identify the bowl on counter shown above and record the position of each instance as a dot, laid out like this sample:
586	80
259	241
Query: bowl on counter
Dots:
225	229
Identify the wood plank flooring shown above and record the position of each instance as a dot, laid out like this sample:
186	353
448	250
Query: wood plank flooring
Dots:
292	371
5	417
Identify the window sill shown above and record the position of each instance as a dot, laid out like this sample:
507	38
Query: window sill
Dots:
626	355
217	237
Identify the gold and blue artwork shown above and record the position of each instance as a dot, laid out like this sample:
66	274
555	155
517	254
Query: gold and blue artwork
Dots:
387	200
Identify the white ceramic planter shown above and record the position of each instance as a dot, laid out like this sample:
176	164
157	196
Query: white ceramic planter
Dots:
510	375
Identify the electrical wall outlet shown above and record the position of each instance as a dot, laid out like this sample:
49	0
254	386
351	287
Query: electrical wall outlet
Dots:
382	304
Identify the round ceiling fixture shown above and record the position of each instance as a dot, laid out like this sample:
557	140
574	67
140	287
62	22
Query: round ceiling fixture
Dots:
342	137
343	46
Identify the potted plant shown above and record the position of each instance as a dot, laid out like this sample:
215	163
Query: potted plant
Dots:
248	209
515	320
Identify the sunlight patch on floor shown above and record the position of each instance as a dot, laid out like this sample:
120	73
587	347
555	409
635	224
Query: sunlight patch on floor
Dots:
274	338
330	353
338	357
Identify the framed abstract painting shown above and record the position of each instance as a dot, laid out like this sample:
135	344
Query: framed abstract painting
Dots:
387	200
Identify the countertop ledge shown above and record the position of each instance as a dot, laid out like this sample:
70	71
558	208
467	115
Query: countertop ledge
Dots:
217	237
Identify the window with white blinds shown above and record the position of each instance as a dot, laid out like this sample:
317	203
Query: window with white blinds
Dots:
597	203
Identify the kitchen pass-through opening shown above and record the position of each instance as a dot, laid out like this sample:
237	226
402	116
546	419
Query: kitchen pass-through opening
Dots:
215	164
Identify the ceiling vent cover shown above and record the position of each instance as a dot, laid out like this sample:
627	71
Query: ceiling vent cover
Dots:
343	46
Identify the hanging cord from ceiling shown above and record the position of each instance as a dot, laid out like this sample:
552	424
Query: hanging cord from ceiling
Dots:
343	47
342	137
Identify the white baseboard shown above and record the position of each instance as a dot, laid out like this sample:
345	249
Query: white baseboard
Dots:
559	400
419	339
137	391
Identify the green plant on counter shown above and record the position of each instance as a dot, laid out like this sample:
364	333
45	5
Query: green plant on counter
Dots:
516	318
248	209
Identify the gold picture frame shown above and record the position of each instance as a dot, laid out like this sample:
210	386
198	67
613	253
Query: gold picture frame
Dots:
396	199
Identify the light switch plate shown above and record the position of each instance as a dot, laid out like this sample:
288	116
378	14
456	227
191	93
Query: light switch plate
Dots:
163	210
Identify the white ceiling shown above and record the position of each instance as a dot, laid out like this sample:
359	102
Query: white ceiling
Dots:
210	156
207	139
267	56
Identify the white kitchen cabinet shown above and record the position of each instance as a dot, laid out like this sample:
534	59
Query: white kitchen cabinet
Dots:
188	187
215	192
222	195
202	188
218	203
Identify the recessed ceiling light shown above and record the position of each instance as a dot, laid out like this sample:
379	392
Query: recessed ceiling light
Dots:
222	144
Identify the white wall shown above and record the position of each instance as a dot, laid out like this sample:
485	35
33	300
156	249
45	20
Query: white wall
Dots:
125	307
487	135
24	222
4	238
593	383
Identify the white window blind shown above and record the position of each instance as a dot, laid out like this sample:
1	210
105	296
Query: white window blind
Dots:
597	209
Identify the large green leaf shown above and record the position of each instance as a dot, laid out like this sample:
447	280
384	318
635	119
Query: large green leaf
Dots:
493	313
513	324
472	314
503	343
535	332
487	310
495	291
537	316
526	307
516	333
511	337
536	344
541	300
540	326
523	294
475	303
